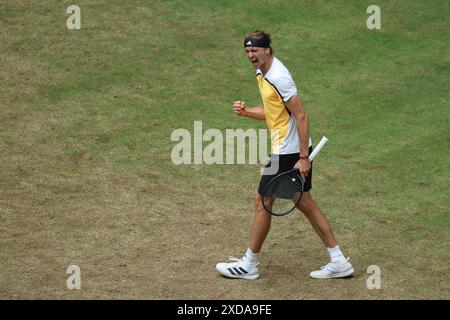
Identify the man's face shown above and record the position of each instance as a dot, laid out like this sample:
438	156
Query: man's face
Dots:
257	56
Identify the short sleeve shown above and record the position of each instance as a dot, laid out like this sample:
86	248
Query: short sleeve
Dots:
285	86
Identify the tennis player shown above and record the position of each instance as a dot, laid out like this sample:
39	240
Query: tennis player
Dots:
287	121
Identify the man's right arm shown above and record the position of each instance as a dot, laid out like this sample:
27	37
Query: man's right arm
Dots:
256	113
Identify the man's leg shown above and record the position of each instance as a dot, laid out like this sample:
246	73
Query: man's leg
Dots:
260	226
247	267
339	266
317	219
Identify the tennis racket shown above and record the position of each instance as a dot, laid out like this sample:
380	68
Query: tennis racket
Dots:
283	192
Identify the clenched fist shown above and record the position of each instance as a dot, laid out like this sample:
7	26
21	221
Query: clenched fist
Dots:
239	108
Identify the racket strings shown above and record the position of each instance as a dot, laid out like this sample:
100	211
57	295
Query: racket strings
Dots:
282	194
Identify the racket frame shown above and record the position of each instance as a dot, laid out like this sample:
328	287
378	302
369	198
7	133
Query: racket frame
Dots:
313	154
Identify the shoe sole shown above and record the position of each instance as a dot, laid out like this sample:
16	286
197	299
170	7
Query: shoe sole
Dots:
343	274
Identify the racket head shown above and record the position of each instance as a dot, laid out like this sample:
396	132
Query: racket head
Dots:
283	192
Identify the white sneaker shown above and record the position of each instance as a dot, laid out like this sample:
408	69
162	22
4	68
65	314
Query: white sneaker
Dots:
238	269
333	270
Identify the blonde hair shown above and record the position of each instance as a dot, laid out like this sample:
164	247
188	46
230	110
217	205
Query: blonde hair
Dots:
258	34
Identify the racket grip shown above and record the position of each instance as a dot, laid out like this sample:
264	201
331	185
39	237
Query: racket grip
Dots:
316	150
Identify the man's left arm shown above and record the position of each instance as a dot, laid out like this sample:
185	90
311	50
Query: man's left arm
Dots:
295	106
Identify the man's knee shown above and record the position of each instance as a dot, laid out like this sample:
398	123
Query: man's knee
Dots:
306	203
259	205
258	201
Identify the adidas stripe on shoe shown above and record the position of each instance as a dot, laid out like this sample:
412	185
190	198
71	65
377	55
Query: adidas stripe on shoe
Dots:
238	269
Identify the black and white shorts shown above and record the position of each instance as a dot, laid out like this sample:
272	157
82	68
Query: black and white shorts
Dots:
286	163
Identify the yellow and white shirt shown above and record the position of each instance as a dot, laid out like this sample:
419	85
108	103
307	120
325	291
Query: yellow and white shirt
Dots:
276	88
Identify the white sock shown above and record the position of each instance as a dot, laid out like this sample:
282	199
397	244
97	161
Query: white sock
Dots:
336	255
250	258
